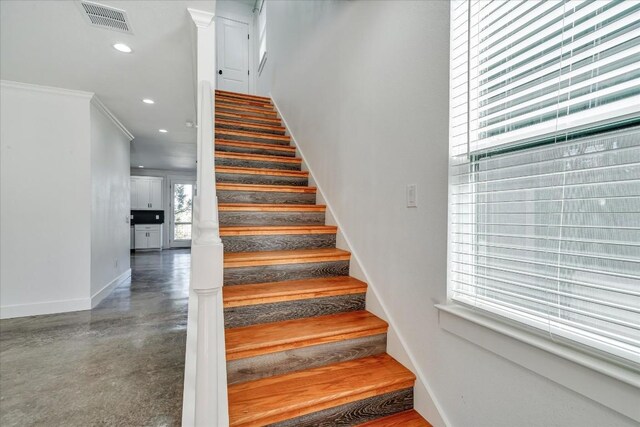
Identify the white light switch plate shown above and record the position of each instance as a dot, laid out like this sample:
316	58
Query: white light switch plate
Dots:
412	195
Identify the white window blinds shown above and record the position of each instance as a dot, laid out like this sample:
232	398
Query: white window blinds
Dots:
545	167
539	67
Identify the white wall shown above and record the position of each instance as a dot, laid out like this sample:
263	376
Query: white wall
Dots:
45	186
110	203
167	176
363	87
64	201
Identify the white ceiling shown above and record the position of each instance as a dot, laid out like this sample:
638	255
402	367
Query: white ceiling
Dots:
50	43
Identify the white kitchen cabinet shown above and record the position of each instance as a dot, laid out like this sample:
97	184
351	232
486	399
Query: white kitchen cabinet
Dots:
148	236
146	193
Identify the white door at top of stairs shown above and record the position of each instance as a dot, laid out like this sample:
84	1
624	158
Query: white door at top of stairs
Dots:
233	55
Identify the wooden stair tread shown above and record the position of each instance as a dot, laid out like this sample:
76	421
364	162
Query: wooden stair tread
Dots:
224	186
249	125
402	419
243	101
241	95
258	157
261	258
261	171
290	290
269	230
282	397
255	340
249	134
237	116
269	207
251	144
245	108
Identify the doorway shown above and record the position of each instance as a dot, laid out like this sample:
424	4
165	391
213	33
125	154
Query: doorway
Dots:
181	213
233	55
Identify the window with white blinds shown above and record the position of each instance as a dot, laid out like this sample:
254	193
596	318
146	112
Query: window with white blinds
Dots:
545	167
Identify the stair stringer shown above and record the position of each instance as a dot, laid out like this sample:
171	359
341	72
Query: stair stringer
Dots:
425	402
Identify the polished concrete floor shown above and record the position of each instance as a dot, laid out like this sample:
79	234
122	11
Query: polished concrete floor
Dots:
120	364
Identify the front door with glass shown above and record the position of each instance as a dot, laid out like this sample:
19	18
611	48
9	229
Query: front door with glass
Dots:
181	213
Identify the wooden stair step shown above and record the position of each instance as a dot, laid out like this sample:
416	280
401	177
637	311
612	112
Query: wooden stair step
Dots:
244	118
261	171
274	399
271	214
223	186
241	95
265	207
248	134
255	145
251	341
270	230
247	102
403	419
300	256
291	290
258	157
233	192
246	109
257	127
249	175
258	303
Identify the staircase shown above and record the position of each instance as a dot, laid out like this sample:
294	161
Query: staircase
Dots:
301	348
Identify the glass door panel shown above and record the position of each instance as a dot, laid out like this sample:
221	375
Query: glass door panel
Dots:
182	213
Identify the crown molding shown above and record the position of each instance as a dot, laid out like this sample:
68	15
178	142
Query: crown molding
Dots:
201	18
45	89
95	101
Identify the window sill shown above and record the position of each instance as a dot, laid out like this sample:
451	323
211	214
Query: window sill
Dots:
607	383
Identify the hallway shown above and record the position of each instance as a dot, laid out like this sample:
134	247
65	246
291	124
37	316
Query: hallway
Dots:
118	364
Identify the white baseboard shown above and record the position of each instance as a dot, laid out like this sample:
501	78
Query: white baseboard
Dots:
105	291
49	307
423	390
62	306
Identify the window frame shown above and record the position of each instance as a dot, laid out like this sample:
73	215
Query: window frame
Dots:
520	328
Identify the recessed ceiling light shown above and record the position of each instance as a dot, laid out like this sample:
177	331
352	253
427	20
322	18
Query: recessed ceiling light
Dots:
122	48
162	130
140	166
148	101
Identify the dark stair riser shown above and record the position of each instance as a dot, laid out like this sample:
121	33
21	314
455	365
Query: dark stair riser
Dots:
247	128
261	164
252	138
270	218
278	242
269	197
235	317
268	365
237	109
355	413
254	150
239	178
251	119
281	272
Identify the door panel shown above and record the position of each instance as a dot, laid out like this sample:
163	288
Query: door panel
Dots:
153	239
233	55
155	195
144	188
181	216
141	240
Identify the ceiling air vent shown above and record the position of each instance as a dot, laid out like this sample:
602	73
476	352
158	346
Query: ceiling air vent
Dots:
106	16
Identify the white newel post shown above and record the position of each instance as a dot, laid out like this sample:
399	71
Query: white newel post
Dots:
205	384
